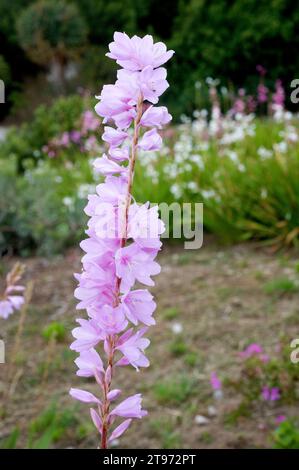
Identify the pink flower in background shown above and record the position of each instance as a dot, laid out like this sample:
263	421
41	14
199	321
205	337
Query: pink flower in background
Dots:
270	394
262	93
261	70
12	298
254	349
123	236
215	381
280	419
279	95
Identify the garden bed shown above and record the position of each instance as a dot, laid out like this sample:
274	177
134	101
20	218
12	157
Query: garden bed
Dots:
212	304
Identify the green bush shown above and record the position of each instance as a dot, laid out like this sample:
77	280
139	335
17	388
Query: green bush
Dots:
286	435
26	142
51	30
43	210
5	74
226	40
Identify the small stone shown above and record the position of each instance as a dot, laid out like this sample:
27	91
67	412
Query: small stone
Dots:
201	420
236	302
177	328
218	394
212	411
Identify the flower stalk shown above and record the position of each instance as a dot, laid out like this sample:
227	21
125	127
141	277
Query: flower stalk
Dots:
123	236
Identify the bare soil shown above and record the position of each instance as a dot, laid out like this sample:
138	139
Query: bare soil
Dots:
215	295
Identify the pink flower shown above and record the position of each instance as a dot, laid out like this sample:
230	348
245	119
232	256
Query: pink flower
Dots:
120	430
215	381
118	103
97	421
89	363
9	300
130	408
252	350
87	335
280	419
111	320
84	396
144	226
139	306
151	140
270	394
119	154
6	309
279	95
132	263
113	190
150	82
132	347
106	167
155	117
136	53
113	136
262	93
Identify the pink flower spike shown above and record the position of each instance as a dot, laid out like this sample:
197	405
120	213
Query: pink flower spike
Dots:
123	237
84	396
120	430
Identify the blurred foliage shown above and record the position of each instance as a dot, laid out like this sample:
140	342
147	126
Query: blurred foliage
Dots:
51	31
286	435
25	142
220	39
5	74
54	331
226	40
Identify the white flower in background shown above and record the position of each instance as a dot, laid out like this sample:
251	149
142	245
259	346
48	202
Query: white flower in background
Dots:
264	193
264	153
177	328
281	147
208	193
192	186
67	201
233	156
84	190
176	190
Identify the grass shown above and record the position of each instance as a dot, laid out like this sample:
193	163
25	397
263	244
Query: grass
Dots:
175	390
170	313
178	347
167	434
280	286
